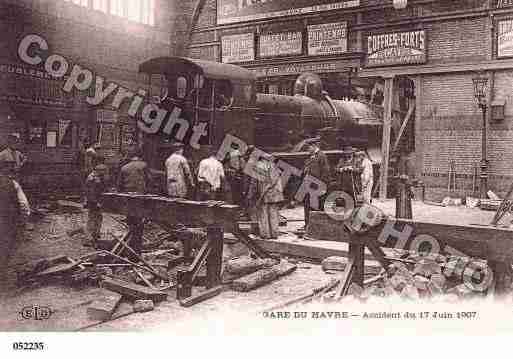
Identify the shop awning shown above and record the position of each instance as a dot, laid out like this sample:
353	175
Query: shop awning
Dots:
209	69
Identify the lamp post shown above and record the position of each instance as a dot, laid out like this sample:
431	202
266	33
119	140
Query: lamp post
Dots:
480	85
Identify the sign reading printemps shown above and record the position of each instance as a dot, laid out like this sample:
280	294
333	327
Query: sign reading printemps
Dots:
231	11
398	48
327	39
505	38
238	48
284	43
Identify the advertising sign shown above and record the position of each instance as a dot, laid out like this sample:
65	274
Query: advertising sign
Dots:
278	44
505	38
231	11
238	48
504	3
398	48
327	39
297	68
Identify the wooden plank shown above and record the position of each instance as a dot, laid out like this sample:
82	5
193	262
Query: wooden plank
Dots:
104	306
171	211
131	290
485	242
403	126
262	277
207	294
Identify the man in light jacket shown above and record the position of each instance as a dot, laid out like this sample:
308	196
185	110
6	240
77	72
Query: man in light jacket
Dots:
179	176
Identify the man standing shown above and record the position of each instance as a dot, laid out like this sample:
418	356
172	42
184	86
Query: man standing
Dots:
270	194
135	177
211	178
14	211
316	166
346	172
179	176
234	172
12	154
367	176
95	186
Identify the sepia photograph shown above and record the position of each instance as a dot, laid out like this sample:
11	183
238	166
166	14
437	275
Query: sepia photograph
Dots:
254	168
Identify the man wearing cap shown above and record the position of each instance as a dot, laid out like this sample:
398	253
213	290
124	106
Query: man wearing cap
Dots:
211	178
12	154
14	211
95	186
367	176
316	166
269	193
179	176
135	177
346	171
234	169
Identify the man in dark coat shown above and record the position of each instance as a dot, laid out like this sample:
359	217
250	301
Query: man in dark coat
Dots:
135	177
14	210
316	166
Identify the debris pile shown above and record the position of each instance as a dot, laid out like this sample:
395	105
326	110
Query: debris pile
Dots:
412	277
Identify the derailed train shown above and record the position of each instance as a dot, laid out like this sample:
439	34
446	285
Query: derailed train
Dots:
209	100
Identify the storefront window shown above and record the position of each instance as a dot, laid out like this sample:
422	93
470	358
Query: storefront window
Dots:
142	11
36	132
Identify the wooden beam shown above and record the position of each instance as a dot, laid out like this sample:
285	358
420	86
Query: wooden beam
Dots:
171	211
131	290
385	145
403	126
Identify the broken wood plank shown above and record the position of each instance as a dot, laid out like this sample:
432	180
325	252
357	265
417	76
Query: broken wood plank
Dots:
144	279
59	268
207	294
245	265
262	277
143	305
131	290
104	307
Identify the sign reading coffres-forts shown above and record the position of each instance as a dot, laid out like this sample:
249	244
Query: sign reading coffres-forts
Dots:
397	48
238	48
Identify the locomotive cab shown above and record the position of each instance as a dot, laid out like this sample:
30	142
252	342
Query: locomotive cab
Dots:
204	101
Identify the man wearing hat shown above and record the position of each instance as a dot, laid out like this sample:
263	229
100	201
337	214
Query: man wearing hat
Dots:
268	191
95	186
12	154
346	171
367	176
316	166
179	176
135	177
14	211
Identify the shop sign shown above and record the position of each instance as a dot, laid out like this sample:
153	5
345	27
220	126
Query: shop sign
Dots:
398	48
327	39
505	38
283	43
231	11
297	68
504	3
238	48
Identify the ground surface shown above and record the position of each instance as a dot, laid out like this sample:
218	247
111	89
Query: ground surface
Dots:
50	236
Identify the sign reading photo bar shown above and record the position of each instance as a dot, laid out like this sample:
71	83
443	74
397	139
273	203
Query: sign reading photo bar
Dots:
283	43
231	11
327	39
505	38
398	48
238	48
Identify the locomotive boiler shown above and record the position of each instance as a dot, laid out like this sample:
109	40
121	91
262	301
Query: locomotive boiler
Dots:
207	100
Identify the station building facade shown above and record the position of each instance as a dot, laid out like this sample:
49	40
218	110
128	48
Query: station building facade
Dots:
110	38
417	60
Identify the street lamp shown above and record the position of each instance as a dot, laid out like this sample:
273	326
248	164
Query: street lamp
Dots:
480	85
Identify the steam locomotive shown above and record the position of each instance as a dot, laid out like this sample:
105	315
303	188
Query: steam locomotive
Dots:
221	99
